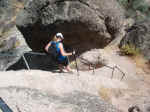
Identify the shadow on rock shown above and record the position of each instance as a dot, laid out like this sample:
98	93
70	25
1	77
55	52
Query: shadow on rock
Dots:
32	60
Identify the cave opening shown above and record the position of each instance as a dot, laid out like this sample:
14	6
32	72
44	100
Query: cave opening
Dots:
77	36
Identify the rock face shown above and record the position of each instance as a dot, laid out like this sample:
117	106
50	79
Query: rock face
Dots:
12	47
34	60
139	36
85	24
42	91
36	101
9	10
12	43
90	60
96	56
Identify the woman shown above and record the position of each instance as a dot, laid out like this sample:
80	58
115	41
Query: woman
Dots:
62	55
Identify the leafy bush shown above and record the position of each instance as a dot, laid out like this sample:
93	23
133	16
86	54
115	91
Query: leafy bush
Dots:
72	65
130	49
139	5
123	3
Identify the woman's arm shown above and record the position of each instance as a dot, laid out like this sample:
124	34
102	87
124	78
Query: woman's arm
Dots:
47	46
62	50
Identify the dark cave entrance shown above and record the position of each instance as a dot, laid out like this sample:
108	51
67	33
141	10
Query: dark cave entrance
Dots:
77	36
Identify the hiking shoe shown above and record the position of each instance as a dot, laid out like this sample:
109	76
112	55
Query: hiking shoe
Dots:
61	71
66	71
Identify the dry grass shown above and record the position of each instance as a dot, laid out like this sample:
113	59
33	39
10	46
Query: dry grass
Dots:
137	57
72	64
105	93
141	62
129	50
108	93
18	5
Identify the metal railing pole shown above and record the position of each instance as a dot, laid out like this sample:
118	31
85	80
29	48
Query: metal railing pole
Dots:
26	62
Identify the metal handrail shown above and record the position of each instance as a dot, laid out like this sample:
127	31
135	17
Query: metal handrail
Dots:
94	66
82	59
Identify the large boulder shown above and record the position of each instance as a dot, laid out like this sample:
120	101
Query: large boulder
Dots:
92	59
85	24
12	47
12	43
139	36
8	13
38	101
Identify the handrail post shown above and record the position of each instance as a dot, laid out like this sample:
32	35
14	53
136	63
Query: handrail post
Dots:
27	65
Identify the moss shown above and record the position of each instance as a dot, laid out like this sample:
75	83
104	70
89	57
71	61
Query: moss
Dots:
72	64
130	49
105	93
134	5
123	3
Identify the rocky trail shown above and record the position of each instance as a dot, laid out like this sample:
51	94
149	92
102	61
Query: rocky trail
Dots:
88	26
40	91
137	81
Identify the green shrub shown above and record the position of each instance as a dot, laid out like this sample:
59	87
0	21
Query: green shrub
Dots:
130	49
139	5
72	64
124	3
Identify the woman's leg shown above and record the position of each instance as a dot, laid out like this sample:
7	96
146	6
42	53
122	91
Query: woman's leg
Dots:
68	68
60	67
66	64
